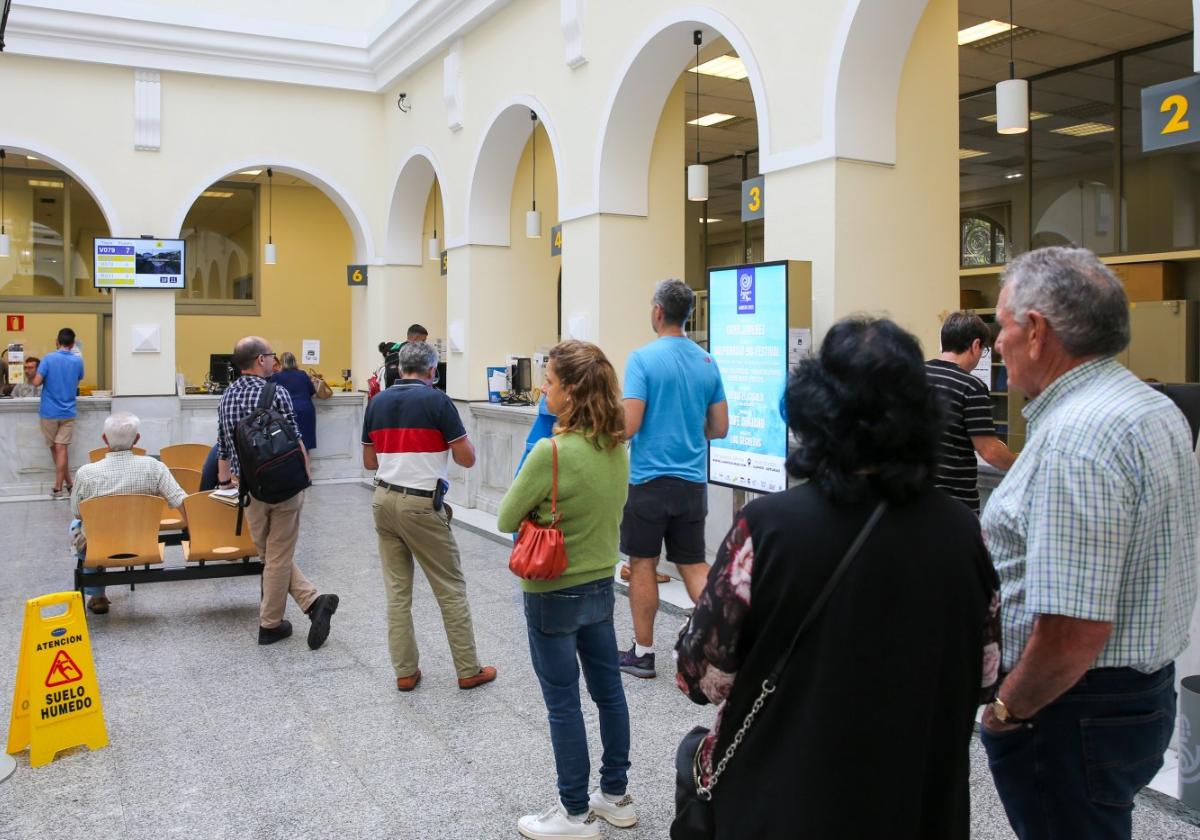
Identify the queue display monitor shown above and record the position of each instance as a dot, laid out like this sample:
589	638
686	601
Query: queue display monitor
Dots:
748	334
139	264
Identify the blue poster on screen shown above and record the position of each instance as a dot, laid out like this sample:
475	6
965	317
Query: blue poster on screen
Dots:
747	335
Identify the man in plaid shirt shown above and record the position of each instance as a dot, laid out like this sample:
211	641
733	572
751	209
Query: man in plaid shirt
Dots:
274	527
118	473
1093	533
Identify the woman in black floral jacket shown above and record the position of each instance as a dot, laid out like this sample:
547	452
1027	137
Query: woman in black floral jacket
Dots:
867	732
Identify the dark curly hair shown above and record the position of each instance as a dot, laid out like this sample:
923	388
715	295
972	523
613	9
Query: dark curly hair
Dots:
863	414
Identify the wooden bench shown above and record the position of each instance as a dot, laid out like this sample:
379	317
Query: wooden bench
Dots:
124	545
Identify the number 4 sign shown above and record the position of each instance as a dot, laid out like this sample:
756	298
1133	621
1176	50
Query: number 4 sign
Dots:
1167	120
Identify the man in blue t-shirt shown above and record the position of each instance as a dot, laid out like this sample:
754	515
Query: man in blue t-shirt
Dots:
674	405
59	375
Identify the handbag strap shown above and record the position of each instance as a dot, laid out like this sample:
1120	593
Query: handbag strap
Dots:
772	680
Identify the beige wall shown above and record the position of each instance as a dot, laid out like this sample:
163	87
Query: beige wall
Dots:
40	333
304	295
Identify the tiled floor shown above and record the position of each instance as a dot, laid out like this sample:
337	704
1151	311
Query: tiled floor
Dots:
215	737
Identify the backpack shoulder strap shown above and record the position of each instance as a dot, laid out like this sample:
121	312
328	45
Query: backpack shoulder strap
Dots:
266	397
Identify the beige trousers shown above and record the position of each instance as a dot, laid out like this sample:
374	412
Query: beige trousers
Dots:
274	529
408	527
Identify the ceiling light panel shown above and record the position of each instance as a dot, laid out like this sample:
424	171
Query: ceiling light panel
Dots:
966	154
1085	129
979	31
1033	115
251	172
724	67
712	119
50	185
216	194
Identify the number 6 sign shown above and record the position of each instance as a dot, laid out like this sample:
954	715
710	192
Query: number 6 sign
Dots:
1166	118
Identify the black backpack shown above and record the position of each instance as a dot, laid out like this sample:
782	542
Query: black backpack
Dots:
270	454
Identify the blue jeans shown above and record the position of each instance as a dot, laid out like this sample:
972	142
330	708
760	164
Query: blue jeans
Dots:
88	591
1074	771
566	628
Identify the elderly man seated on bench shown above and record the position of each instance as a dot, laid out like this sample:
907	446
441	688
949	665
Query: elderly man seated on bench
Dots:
120	472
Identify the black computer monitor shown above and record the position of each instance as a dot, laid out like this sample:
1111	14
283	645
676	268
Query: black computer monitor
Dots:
220	368
522	377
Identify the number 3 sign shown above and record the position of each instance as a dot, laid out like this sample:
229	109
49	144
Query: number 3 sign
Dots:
1166	121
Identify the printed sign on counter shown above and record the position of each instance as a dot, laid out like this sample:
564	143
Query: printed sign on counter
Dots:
749	339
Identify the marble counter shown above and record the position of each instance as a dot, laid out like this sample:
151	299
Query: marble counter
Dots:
499	433
26	468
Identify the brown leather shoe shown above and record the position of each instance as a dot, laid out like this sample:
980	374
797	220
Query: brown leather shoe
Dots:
410	682
98	604
486	674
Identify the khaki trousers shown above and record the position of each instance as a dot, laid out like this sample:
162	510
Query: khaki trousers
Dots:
408	527
274	529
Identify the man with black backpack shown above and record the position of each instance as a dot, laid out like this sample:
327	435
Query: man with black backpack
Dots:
258	442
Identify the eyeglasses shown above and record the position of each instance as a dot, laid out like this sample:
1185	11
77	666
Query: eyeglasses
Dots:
265	355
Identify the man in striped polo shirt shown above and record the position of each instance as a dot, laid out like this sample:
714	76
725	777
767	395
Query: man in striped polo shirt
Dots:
969	428
410	432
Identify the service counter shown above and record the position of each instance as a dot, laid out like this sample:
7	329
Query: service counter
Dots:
26	468
499	433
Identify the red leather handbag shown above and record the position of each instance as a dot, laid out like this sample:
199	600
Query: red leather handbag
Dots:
541	550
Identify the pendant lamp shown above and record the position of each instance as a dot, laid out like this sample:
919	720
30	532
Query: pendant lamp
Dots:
533	218
4	243
435	244
697	173
269	256
1012	95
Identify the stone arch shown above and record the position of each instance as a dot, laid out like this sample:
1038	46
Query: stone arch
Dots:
491	182
406	215
360	230
621	176
863	82
80	174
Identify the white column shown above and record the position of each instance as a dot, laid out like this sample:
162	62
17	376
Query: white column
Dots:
143	373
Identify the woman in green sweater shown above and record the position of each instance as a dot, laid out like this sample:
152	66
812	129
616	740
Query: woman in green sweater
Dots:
569	619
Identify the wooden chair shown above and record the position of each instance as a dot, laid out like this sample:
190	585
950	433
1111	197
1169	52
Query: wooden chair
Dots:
122	530
189	480
211	527
188	456
98	454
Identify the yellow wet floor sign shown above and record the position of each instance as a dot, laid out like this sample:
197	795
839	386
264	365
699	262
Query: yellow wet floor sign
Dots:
56	700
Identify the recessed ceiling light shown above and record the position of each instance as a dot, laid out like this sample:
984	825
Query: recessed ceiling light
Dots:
1033	115
1084	129
710	221
964	154
1012	176
251	172
216	194
711	119
724	67
52	185
32	157
982	30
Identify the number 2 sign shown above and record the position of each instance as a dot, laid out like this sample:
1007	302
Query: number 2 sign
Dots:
1166	118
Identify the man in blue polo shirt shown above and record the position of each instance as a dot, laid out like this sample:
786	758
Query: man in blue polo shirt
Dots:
674	405
59	375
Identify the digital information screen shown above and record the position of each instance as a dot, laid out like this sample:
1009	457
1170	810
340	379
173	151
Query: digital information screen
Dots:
748	332
139	264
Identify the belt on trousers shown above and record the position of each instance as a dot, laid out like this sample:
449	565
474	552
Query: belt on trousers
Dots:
408	491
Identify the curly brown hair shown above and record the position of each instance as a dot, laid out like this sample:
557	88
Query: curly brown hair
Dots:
594	409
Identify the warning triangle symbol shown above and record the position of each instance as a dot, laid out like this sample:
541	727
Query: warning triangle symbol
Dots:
63	671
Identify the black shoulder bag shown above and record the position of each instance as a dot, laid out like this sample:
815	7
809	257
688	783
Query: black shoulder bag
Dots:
694	818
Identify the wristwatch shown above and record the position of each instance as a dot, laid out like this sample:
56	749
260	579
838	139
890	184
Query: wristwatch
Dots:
1004	715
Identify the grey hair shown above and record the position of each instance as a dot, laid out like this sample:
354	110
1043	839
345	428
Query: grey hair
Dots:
418	357
288	359
676	299
247	350
1076	293
121	430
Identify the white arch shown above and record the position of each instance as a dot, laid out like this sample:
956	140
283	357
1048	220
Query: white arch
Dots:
635	104
489	196
406	214
364	247
12	142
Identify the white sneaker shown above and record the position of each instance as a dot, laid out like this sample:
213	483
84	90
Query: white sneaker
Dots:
556	824
619	813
